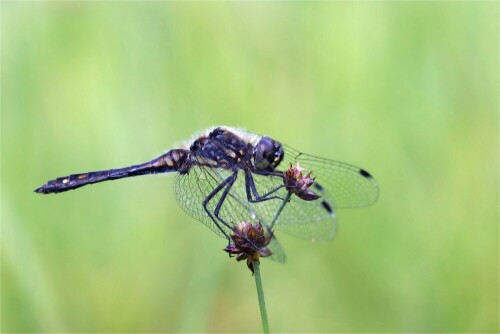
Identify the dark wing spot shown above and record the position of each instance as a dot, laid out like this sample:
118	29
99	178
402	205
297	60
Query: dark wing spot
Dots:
365	173
317	186
327	206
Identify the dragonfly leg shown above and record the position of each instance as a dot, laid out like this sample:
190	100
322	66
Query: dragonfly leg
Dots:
223	197
227	183
251	189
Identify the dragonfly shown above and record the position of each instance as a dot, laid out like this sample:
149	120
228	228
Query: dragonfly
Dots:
228	175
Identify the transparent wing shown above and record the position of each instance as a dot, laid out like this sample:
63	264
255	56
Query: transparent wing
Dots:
304	219
339	185
348	186
193	188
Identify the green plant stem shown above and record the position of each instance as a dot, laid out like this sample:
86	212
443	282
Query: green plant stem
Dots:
285	201
256	269
260	294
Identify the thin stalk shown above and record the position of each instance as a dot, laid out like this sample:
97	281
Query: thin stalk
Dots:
256	269
260	294
285	201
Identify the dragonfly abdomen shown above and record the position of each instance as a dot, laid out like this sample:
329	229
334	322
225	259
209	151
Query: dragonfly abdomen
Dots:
172	161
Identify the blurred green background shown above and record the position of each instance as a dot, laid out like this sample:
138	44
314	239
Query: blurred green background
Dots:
408	91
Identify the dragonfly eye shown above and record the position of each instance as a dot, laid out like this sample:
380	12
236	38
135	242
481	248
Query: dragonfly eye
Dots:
267	154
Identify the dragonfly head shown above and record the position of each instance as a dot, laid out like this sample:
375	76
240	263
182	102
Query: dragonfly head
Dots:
267	154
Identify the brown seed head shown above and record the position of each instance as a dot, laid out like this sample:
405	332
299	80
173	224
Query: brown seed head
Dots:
297	183
250	242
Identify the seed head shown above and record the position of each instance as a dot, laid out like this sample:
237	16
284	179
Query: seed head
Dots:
297	183
250	242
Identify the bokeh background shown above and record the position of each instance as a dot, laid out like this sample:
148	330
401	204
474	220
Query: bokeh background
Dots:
407	90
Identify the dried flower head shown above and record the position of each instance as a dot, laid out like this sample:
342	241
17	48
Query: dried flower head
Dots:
250	242
298	184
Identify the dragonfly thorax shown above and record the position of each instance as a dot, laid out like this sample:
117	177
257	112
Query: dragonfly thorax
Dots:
221	149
